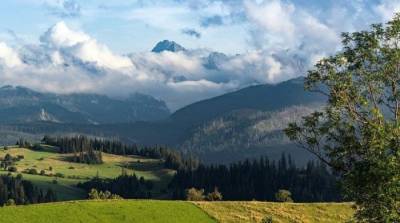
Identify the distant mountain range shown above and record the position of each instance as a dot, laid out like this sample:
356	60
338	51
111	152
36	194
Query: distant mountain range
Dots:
23	105
243	124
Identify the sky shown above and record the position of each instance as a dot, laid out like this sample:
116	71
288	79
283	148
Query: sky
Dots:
99	46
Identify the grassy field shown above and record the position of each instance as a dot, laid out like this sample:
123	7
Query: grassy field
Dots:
236	212
52	162
123	211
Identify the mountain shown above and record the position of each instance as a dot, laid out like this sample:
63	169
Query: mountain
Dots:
167	45
267	97
22	105
247	123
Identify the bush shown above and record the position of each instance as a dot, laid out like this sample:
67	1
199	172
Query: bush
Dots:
193	194
54	181
60	175
42	172
10	202
107	195
93	195
214	196
32	171
12	169
267	219
283	196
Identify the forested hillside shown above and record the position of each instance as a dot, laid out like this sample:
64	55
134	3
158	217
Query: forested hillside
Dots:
243	124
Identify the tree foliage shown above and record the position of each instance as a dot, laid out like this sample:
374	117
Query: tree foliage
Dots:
283	196
88	150
15	190
260	180
358	132
193	194
126	186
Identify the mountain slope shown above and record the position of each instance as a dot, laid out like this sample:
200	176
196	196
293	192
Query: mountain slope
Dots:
261	97
22	105
247	123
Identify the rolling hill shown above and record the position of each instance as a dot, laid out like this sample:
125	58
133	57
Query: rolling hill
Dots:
70	173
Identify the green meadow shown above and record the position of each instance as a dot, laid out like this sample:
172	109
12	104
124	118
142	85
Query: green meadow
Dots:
53	163
152	211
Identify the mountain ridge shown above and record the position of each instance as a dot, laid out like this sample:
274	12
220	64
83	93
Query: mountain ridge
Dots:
21	104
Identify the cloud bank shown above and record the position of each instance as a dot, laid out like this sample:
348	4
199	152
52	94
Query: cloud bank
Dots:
285	38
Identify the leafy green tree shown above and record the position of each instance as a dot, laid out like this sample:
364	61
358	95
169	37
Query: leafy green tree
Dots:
94	194
283	196
10	202
194	194
358	131
215	195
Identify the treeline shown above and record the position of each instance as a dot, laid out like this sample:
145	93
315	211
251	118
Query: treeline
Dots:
260	180
15	190
126	186
76	144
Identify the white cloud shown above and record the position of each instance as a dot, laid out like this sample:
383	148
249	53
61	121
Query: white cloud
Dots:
273	17
287	39
82	46
387	9
8	56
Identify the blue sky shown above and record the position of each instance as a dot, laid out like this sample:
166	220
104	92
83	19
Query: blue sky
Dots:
101	46
125	26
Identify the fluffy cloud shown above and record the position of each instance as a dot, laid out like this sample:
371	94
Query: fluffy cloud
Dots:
68	60
8	56
284	39
80	45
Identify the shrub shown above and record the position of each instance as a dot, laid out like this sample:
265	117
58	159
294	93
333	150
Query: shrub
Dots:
283	196
96	195
93	195
32	171
10	202
60	175
267	219
193	194
42	172
214	196
12	169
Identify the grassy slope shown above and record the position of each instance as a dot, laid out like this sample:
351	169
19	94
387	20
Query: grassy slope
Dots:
75	172
175	211
107	211
236	212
